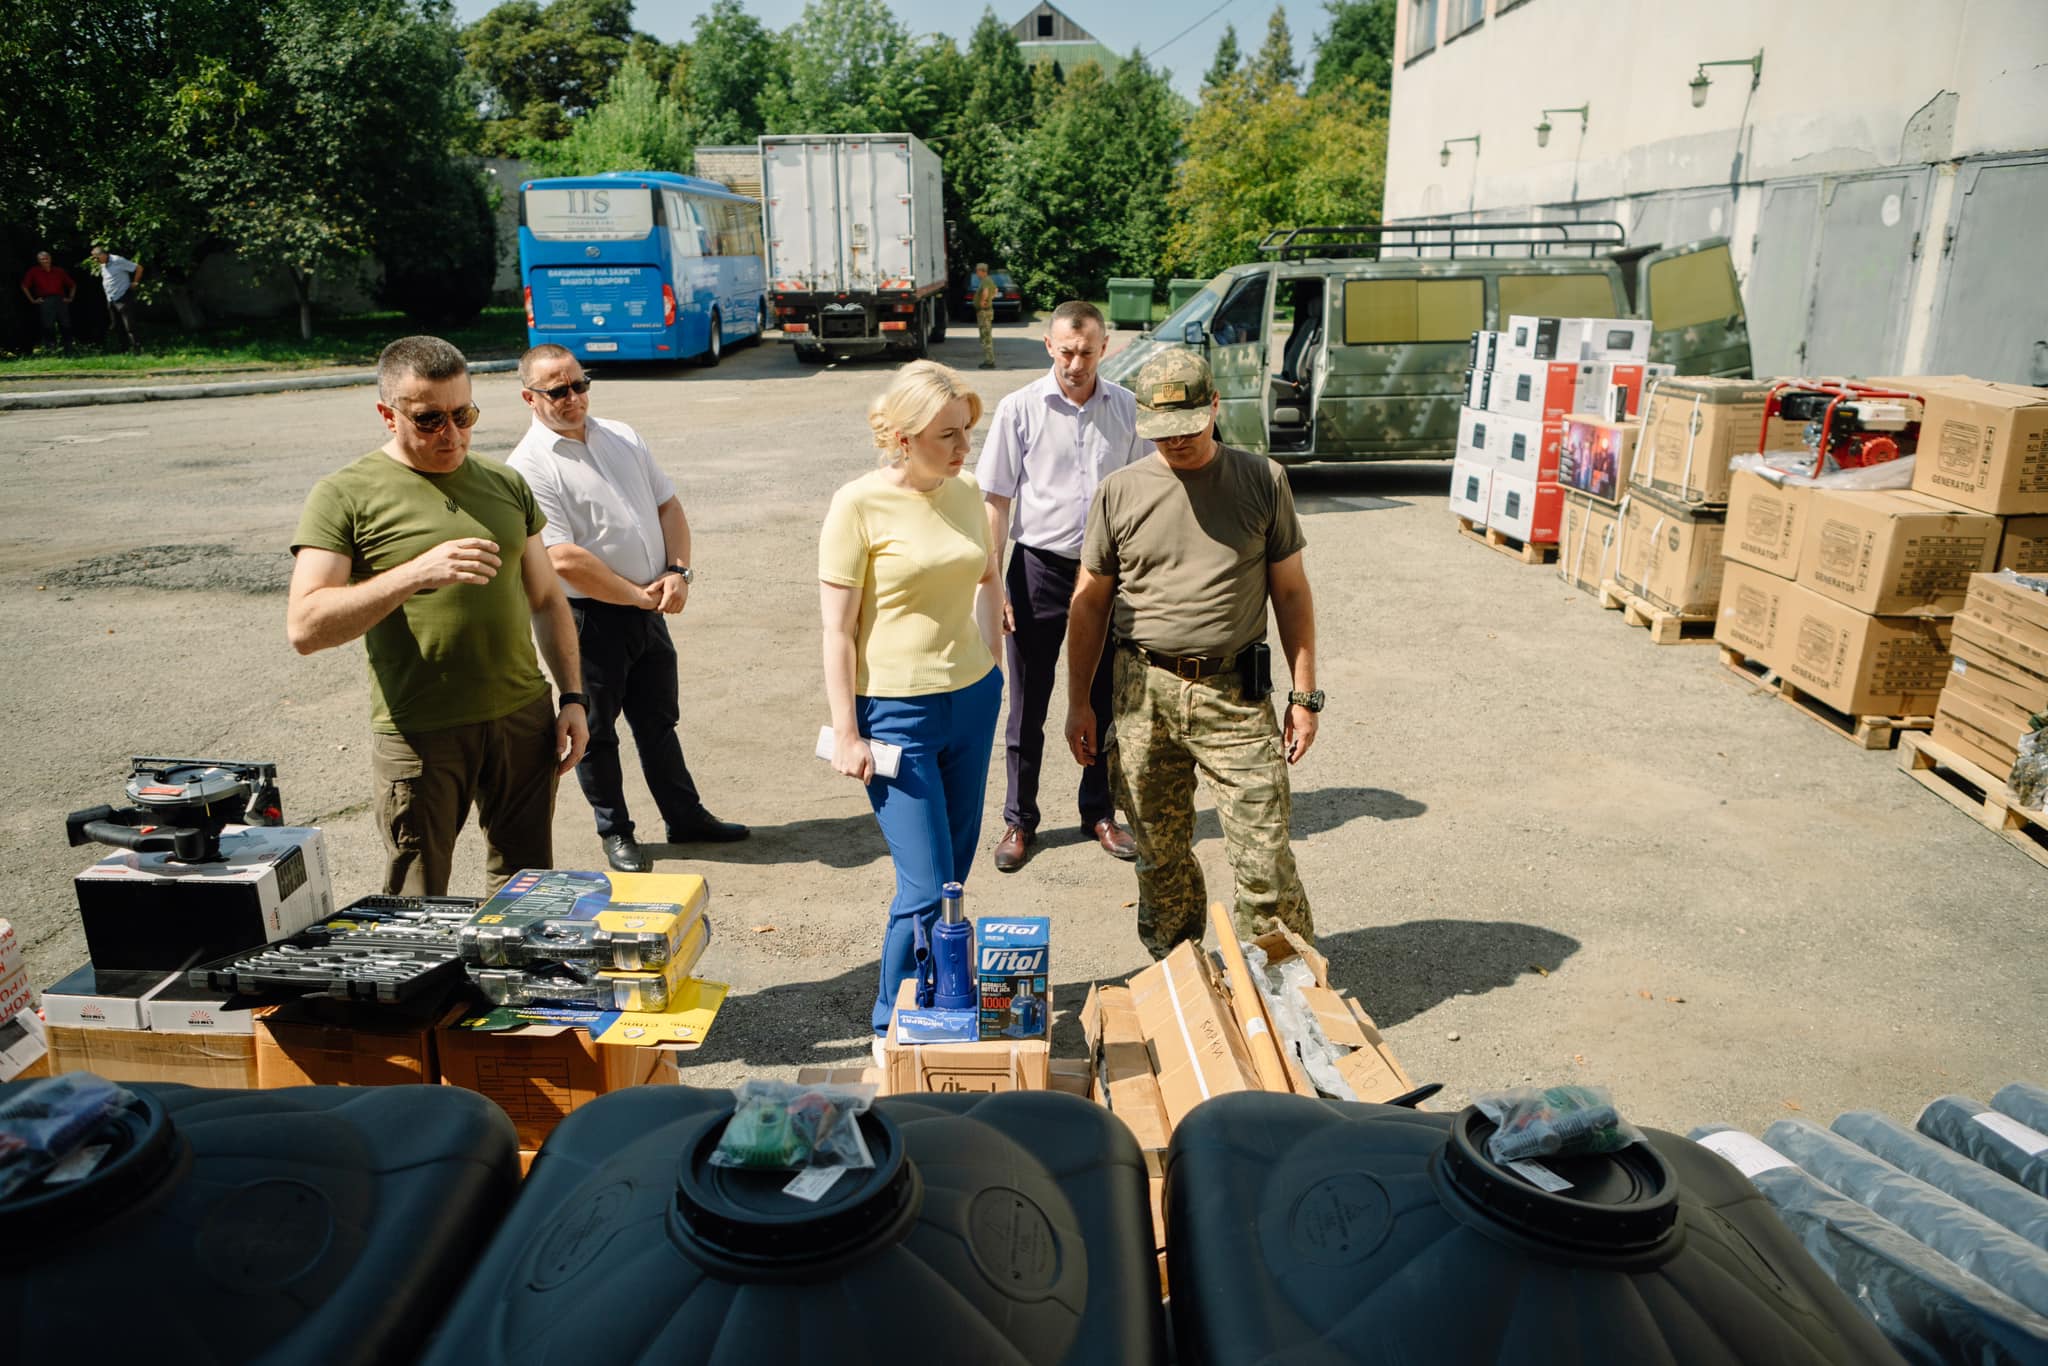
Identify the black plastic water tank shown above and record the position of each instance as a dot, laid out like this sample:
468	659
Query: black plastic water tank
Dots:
1011	1228
1322	1232
318	1224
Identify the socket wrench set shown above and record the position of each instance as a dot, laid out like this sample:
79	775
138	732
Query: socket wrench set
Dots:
386	949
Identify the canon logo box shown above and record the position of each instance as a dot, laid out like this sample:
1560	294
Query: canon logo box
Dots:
148	912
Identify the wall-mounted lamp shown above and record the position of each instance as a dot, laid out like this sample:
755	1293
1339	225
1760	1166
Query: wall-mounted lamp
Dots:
1543	128
1699	82
1443	155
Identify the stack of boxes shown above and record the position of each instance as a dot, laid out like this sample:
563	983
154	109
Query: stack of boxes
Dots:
1522	384
1005	1044
1999	680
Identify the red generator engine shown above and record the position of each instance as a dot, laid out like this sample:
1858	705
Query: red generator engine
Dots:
1845	425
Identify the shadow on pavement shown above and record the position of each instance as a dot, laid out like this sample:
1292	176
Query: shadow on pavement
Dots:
850	841
1328	808
1399	971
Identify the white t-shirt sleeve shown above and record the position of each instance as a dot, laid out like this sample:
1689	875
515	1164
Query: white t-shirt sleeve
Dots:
659	485
539	474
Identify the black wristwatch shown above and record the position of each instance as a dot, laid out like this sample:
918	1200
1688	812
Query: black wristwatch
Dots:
1308	701
682	569
578	698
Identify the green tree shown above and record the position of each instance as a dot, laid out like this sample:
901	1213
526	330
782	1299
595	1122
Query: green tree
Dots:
638	127
1228	59
1258	164
1274	67
997	113
542	66
1359	46
849	70
733	60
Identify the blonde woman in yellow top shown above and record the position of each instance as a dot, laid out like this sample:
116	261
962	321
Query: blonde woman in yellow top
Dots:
910	596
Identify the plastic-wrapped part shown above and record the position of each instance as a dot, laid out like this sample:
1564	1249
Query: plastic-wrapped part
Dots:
47	1121
1932	1310
2027	785
2025	1102
1889	474
1990	1252
1300	1034
1565	1121
1990	1194
1992	1140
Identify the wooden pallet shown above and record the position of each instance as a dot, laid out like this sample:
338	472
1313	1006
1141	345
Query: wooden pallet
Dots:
1666	628
1967	786
1525	551
1866	732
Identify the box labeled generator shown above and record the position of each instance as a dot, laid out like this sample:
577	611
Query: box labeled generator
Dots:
2025	547
1984	445
148	912
1471	489
1895	554
1013	960
1853	662
1766	522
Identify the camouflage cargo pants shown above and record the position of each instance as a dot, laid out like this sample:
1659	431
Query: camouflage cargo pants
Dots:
986	320
1167	730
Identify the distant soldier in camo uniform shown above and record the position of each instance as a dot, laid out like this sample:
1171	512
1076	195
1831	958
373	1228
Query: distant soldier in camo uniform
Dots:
1190	543
985	314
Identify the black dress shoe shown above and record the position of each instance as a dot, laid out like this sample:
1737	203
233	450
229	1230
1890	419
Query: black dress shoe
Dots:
705	828
626	856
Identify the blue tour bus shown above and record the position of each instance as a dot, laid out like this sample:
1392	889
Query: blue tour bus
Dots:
641	265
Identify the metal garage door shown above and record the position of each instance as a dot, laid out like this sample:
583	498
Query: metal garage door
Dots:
1778	296
1993	319
1870	230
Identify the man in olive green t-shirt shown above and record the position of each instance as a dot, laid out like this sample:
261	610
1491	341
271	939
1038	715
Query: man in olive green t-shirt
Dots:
404	548
1191	542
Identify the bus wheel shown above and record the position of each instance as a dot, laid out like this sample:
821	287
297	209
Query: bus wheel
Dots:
760	325
715	349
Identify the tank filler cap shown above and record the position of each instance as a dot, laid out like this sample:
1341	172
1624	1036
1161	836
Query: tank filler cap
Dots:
1622	1202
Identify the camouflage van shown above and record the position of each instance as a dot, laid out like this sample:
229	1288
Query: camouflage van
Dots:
1351	343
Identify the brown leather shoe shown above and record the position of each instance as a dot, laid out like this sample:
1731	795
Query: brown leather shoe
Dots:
1115	840
1012	849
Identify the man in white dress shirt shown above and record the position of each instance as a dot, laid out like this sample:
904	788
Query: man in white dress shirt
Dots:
620	543
1049	444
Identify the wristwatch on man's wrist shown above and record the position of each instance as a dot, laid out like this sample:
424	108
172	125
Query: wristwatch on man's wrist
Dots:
578	698
681	569
1308	701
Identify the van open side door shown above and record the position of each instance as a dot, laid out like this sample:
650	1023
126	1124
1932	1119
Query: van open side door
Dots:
1694	305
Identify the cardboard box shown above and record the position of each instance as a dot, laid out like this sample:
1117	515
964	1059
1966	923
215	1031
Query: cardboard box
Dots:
1123	1077
2025	547
1985	446
1853	662
23	1045
1593	455
1476	430
1766	522
335	1043
94	998
1248	1004
1484	353
1526	448
1198	1050
1072	1075
1614	390
146	911
539	1073
988	1065
1669	554
1894	554
2003	603
218	1060
178	1007
2007	682
1533	389
1692	427
1577	339
1529	510
1370	1069
1985	710
843	1076
1471	490
16	994
1587	541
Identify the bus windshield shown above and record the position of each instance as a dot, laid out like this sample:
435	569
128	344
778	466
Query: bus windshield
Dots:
603	214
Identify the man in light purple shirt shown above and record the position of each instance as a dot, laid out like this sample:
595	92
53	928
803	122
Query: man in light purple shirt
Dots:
1049	444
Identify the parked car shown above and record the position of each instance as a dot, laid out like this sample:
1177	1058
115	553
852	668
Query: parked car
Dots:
1333	349
1009	299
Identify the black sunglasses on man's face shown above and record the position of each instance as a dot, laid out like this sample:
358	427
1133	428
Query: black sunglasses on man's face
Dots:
433	419
562	391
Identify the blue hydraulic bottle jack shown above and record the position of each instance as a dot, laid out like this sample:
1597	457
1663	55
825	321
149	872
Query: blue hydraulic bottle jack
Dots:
953	953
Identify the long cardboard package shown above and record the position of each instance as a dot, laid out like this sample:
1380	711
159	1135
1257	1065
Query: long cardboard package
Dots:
1857	663
1999	680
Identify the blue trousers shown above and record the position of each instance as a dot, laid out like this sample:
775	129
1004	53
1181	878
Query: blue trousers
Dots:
930	812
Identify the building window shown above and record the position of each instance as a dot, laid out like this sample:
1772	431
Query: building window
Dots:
1462	16
1421	27
1045	26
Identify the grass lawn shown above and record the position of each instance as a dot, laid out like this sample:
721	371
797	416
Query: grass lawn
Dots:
269	344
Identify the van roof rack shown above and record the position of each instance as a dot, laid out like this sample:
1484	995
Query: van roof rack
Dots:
1589	236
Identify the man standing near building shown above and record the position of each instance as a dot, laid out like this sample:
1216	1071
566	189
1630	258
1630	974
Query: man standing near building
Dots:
1050	444
118	277
1191	543
619	541
985	313
433	557
50	288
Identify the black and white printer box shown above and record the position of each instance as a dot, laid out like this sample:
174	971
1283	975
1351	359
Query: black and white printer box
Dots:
104	998
145	911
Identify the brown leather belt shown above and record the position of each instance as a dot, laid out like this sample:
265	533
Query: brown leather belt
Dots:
1189	667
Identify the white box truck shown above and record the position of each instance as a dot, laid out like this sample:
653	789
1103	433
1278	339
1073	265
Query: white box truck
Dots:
856	229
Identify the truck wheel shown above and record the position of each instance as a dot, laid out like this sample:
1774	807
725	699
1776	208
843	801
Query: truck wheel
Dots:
920	343
938	307
714	350
809	355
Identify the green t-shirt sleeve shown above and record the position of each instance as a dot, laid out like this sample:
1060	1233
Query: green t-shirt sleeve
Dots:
528	504
1098	547
327	522
843	543
1284	536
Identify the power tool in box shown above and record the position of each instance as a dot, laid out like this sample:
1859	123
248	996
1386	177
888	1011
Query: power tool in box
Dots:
181	808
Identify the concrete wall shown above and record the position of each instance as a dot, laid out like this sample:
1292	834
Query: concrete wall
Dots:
1847	180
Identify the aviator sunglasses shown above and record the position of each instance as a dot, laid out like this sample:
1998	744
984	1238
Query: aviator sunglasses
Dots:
562	391
433	420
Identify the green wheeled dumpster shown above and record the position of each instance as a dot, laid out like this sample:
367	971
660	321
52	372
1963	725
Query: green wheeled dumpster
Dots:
1179	291
1130	302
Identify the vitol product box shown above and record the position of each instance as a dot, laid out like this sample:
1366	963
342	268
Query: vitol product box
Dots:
1013	960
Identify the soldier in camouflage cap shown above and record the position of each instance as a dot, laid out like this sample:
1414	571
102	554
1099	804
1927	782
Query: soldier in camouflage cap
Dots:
1190	543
